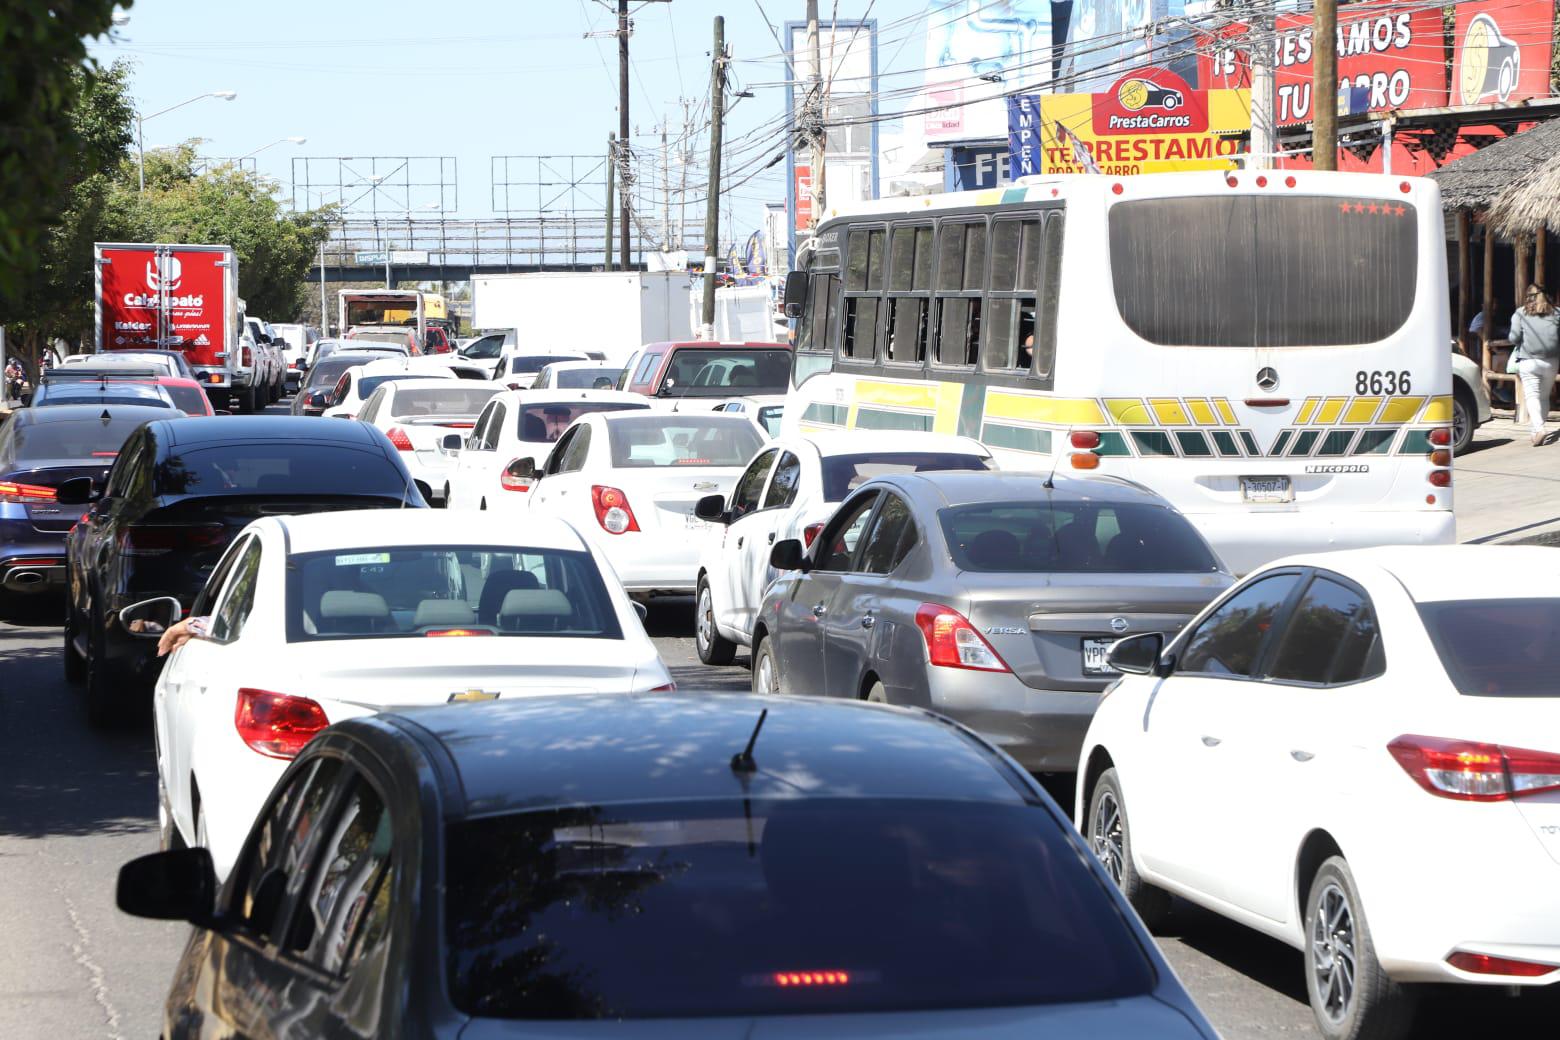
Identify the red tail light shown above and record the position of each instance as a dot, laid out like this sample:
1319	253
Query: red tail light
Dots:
458	425
810	534
399	438
277	725
1441	436
158	539
246	357
613	512
811	978
1474	772
10	492
457	632
670	687
952	642
1084	440
1440	478
1484	964
511	480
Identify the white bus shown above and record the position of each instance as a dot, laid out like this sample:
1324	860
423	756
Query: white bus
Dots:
1267	350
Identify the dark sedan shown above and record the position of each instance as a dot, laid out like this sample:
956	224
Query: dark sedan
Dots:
179	492
40	449
657	866
322	378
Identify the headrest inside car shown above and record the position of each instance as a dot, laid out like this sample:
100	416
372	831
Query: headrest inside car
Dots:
443	612
342	603
535	603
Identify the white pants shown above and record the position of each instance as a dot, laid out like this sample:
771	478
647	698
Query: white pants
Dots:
1538	379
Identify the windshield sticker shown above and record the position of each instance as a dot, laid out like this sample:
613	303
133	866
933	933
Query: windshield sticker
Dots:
358	559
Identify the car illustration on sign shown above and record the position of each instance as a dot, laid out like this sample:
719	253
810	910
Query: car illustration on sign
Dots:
1491	63
1138	94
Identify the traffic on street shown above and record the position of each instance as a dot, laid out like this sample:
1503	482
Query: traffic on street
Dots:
1072	551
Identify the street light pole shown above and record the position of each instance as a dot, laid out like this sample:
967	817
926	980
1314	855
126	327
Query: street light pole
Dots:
273	144
140	122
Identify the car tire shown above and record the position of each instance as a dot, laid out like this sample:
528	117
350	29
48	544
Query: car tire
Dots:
713	648
75	664
766	669
1110	839
1464	420
105	710
877	693
1348	1004
246	400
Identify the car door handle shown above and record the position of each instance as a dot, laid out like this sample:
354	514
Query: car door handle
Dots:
820	610
771	538
868	621
740	540
1301	756
1212	741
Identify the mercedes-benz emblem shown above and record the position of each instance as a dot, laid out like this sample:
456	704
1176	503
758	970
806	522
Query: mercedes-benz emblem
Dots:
1118	624
1267	380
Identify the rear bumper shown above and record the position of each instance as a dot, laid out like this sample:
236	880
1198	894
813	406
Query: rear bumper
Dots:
655	561
31	561
1042	729
214	378
1247	540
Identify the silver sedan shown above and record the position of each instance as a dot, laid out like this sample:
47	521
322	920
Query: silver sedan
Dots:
991	598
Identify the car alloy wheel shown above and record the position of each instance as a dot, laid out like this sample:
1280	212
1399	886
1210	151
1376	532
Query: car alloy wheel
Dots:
766	678
713	647
1333	960
1105	835
1462	425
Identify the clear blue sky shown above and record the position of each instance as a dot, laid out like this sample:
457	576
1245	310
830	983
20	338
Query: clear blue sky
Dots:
468	78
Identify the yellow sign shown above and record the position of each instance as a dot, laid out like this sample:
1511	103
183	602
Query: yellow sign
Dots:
1149	123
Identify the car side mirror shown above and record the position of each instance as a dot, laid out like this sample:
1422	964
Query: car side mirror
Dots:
150	618
787	555
711	508
77	491
451	443
177	885
796	285
666	387
1137	655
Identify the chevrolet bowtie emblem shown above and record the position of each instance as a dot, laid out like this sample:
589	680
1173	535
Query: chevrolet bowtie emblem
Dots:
466	696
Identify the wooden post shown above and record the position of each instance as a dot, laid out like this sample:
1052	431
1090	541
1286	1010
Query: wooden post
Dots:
1519	270
1464	276
1540	256
1489	296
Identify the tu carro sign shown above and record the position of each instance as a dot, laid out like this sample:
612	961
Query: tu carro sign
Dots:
1149	121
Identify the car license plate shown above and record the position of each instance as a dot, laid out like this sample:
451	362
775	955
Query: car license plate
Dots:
1094	651
1260	490
693	523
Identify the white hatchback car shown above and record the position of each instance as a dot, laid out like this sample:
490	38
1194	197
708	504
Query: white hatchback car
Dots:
788	491
314	619
578	375
1357	753
518	371
357	385
418	414
516	430
631	481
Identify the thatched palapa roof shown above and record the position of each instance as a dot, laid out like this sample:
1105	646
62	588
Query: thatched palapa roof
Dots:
1530	205
1475	181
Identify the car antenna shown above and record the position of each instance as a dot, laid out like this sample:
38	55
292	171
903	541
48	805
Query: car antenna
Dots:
1050	478
742	761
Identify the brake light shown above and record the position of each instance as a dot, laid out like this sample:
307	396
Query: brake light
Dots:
1440	478
12	492
613	512
810	534
1084	440
456	632
246	358
1441	436
952	642
1475	772
811	978
511	480
277	725
158	539
399	438
1484	964
458	425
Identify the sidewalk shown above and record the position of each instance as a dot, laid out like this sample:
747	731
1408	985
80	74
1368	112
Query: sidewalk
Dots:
1505	489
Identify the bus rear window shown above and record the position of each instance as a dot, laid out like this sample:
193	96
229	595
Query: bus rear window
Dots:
1264	271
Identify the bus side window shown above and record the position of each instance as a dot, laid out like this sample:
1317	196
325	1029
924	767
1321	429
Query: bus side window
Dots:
961	273
909	290
1050	296
863	291
1011	295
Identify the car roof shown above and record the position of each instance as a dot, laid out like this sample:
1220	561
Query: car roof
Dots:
871	442
389	366
376	528
585	363
754	344
1430	573
430	383
562	395
85	413
199	431
528	753
672	418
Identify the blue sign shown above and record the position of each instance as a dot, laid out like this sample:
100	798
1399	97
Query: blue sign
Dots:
968	167
1023	135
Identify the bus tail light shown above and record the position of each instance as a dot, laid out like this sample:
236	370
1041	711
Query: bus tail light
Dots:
511	480
613	512
1441	478
952	642
1441	457
1441	436
399	438
1084	440
277	725
1084	460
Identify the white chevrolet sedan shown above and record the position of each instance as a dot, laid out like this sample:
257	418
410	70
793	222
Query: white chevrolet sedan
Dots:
631	480
313	619
1357	753
418	414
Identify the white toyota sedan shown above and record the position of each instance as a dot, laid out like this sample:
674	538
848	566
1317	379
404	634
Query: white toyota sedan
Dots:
1357	753
357	385
788	491
631	480
418	414
314	619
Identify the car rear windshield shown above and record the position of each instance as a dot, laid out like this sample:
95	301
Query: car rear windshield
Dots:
587	378
769	418
1074	538
1497	647
842	474
438	590
326	372
82	439
665	440
393	336
1249	270
453	400
189	399
281	468
530	364
777	907
712	372
368	384
90	393
547	422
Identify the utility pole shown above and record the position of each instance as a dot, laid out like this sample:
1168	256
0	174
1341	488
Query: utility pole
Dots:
324	317
611	176
1324	85
623	130
712	194
1264	128
666	192
816	112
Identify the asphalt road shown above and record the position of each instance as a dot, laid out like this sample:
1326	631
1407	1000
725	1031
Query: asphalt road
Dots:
75	804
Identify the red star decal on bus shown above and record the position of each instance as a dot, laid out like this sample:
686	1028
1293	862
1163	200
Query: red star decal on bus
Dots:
1359	207
1375	208
1343	207
1400	211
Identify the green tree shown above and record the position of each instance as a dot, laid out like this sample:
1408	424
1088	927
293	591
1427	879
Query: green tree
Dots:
41	151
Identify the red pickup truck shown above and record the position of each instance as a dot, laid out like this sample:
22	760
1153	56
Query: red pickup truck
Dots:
703	372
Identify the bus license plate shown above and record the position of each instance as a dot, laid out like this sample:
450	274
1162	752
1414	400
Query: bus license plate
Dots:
1094	651
1260	490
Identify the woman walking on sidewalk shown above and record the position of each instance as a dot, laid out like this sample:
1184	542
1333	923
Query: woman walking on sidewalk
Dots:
1535	334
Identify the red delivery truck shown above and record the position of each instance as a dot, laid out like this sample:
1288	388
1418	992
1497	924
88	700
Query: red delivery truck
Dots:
172	297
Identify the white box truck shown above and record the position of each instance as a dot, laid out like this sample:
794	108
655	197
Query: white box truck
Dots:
614	312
